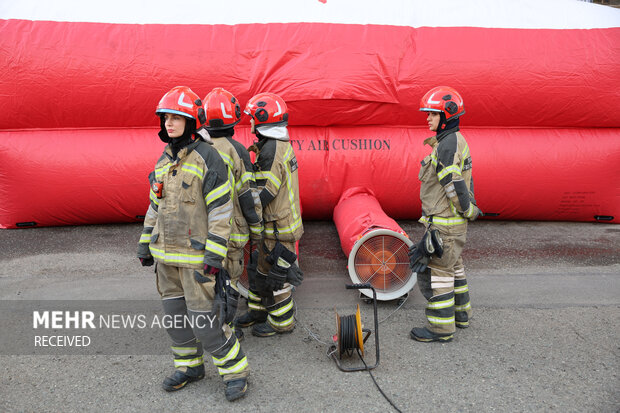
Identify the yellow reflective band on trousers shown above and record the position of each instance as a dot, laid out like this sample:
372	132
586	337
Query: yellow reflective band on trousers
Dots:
440	304
443	221
177	258
440	320
461	290
216	248
237	368
253	297
231	355
282	310
184	351
284	323
462	307
188	363
193	169
253	306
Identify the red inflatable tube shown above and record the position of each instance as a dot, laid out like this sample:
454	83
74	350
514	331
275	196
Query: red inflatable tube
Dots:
86	176
376	246
358	212
76	75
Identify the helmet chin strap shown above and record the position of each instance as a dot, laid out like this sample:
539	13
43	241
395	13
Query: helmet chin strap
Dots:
445	125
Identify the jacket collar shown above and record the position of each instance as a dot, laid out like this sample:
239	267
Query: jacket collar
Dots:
445	133
183	152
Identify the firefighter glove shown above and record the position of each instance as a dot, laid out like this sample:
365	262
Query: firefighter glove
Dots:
280	251
232	301
420	253
209	272
146	262
418	260
277	276
294	275
251	270
221	305
473	213
260	282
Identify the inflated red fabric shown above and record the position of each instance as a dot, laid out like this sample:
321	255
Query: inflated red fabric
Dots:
85	176
358	212
75	75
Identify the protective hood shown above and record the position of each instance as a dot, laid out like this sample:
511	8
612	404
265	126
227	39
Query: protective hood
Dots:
204	135
279	132
447	125
190	129
221	133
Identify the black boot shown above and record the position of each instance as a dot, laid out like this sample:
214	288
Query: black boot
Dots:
236	389
250	318
427	336
266	330
180	379
461	319
263	330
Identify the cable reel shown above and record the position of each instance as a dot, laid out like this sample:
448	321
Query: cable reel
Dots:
350	337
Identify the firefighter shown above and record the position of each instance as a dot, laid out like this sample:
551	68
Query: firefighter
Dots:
273	268
186	231
448	203
223	112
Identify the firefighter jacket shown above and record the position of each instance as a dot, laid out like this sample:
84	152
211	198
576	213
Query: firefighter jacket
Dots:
247	216
187	223
447	189
278	184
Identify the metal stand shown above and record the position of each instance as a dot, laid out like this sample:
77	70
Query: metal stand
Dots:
333	348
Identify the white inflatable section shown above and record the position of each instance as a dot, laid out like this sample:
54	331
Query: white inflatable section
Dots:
568	14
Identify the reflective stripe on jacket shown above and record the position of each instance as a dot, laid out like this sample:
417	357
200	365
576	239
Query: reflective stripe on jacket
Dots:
190	224
277	181
446	189
247	213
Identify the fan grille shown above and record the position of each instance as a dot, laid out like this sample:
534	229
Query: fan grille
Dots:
383	262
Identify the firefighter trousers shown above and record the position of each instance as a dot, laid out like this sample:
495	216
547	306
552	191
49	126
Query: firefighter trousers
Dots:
280	308
444	284
193	327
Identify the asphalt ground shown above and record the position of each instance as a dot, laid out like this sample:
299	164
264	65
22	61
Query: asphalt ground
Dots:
545	334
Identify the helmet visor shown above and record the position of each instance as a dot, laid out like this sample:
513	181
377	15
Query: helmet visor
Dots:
176	112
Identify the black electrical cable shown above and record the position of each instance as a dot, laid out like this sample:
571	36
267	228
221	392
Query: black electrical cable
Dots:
348	342
347	334
377	384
